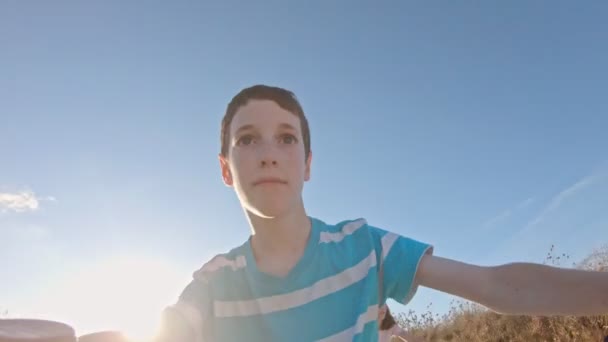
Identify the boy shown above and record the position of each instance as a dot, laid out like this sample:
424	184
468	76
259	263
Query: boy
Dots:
298	278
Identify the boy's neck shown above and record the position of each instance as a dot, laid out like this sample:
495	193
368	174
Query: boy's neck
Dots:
279	243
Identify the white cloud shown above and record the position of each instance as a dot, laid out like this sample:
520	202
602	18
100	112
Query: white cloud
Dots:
21	201
525	203
506	214
496	219
562	196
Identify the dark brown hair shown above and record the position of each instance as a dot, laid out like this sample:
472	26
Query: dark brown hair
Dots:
282	97
388	321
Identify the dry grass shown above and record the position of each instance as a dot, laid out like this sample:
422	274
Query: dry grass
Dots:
470	322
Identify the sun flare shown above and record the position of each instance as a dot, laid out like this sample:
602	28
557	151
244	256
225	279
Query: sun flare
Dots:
125	294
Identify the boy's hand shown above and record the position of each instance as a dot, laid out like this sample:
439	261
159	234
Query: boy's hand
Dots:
519	288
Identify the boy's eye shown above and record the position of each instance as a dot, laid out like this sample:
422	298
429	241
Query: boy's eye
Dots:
245	140
288	139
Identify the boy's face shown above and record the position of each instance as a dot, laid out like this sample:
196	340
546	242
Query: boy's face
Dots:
265	162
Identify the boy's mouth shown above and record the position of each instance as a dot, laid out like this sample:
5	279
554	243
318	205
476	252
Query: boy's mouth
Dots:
269	180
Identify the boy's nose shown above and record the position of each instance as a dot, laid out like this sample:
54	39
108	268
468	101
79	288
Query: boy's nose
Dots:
268	162
268	156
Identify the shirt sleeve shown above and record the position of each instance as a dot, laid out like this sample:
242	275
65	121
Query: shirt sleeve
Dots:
398	259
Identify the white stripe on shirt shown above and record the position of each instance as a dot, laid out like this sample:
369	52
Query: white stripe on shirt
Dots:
388	240
347	229
300	297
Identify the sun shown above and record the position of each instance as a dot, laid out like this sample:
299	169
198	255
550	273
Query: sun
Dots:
126	294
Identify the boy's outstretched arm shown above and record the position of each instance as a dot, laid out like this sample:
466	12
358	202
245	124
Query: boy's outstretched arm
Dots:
519	288
179	323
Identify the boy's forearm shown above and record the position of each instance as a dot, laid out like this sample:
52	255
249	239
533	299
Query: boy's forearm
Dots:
532	289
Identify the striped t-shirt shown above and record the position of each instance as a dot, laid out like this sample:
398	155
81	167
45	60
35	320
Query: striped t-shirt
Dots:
331	294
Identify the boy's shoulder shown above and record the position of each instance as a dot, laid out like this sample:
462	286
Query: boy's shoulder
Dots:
232	260
340	226
352	227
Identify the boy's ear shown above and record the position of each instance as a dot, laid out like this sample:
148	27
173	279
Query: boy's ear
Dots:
225	167
307	171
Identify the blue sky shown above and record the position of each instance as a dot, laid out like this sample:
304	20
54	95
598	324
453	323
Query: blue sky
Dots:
477	127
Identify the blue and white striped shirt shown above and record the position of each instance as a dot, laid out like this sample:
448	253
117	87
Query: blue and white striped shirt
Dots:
332	294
